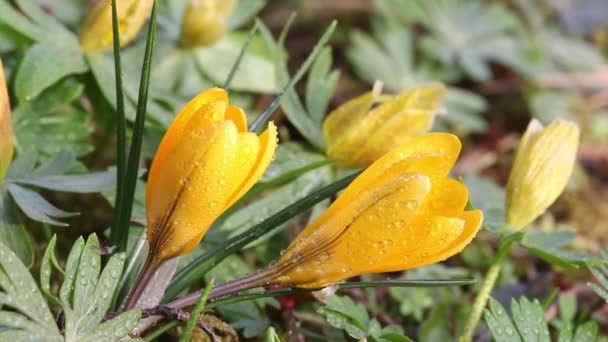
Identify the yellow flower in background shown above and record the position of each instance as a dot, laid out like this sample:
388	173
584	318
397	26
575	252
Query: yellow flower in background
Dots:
205	162
358	133
400	213
96	33
6	126
543	164
204	21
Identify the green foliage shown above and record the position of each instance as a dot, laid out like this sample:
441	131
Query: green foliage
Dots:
342	313
85	297
527	323
600	271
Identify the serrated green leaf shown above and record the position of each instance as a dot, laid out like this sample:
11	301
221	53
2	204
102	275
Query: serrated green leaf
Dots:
33	77
36	207
601	274
12	232
529	318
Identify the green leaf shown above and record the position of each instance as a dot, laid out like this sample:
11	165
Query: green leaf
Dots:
85	183
244	11
321	85
32	318
55	165
71	270
528	323
13	19
486	195
271	335
601	275
301	122
500	323
567	307
50	133
12	232
586	332
255	73
33	77
60	94
120	231
115	329
36	207
549	246
343	313
45	271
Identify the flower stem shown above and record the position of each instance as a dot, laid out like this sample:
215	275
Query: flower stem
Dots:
147	272
484	294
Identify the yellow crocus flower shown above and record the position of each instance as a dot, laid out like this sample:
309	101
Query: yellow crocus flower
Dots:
204	21
357	133
96	31
6	126
400	213
543	164
205	162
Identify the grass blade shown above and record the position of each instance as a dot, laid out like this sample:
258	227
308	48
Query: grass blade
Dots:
120	234
196	312
262	118
121	135
196	269
340	286
239	58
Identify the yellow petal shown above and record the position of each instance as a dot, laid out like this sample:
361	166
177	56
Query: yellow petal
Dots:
195	115
359	137
339	124
448	197
238	116
6	127
96	33
195	188
542	167
331	246
432	154
268	143
472	223
204	21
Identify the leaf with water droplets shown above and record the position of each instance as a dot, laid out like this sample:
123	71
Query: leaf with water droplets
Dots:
71	268
115	329
31	314
500	324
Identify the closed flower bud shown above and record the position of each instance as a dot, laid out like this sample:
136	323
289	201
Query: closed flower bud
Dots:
400	213
204	21
96	31
6	127
205	162
543	164
367	127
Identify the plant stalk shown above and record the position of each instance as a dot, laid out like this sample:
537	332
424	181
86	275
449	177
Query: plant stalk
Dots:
483	296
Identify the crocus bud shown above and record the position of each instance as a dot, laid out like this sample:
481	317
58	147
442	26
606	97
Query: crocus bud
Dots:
367	127
6	126
205	162
96	31
204	21
400	213
543	164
